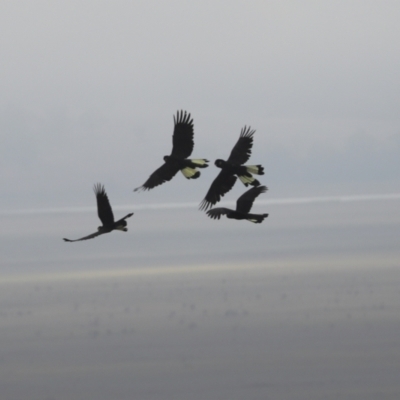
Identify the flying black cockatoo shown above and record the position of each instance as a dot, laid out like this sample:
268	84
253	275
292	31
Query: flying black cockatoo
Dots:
243	207
232	168
182	147
106	216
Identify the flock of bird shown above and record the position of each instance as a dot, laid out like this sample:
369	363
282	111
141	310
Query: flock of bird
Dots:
182	147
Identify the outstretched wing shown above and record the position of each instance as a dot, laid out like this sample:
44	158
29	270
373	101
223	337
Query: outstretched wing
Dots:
215	213
93	235
104	210
246	200
182	138
222	184
242	149
163	174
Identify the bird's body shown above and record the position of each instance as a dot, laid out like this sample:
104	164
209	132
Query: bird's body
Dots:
243	207
233	168
182	147
106	216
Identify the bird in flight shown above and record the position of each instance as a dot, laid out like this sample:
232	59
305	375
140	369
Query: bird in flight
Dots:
106	216
243	207
233	168
182	147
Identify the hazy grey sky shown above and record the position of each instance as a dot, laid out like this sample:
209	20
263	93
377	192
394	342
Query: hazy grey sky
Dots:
89	88
181	304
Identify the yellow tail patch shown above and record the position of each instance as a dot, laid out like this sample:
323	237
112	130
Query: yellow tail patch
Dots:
253	169
190	172
247	180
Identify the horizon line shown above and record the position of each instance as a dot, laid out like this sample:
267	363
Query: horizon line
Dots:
166	206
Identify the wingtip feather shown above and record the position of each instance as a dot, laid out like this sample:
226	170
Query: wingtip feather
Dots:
140	189
204	205
247	132
182	117
98	187
213	215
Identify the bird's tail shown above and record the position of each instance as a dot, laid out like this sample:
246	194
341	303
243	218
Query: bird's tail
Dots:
256	218
255	169
199	162
191	171
121	225
248	179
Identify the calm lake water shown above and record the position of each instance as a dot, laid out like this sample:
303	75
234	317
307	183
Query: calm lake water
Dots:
303	306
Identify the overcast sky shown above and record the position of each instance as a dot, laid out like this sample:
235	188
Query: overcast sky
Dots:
89	89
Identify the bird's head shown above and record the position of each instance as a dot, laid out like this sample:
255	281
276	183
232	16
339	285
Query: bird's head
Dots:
220	163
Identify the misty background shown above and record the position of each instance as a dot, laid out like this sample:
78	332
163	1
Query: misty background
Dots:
303	306
89	90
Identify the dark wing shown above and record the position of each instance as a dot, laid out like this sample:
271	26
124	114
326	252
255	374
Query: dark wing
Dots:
163	174
93	235
104	210
246	200
215	213
242	150
222	184
182	138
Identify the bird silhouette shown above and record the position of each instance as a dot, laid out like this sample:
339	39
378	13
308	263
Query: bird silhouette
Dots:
182	147
106	216
233	168
243	207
